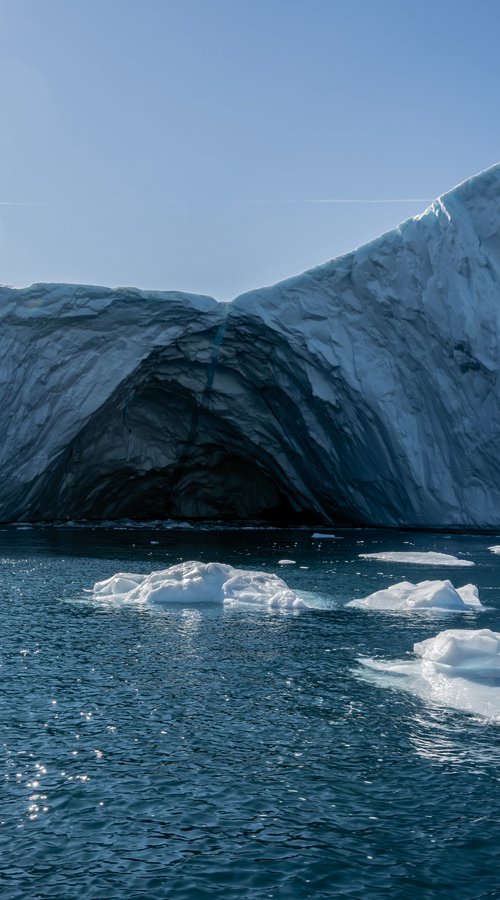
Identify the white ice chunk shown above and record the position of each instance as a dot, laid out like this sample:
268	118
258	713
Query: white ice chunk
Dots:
196	582
458	668
286	562
495	549
419	559
122	583
424	595
461	652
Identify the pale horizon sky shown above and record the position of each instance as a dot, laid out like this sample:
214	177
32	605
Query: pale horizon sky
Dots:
213	146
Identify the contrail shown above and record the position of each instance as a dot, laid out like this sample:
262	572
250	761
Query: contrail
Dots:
342	200
26	202
388	200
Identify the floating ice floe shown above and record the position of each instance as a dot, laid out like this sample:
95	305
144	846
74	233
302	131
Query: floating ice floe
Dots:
193	582
331	537
495	549
425	595
463	652
457	668
419	559
286	562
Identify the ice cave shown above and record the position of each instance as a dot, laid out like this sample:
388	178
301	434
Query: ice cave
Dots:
364	391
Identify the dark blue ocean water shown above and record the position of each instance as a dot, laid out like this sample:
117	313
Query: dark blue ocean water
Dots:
236	753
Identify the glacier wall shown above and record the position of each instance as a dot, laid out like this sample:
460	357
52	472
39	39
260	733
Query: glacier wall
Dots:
365	390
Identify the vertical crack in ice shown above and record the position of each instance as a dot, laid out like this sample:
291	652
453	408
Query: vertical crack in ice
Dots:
219	338
199	406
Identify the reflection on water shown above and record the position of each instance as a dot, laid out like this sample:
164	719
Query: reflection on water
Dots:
438	735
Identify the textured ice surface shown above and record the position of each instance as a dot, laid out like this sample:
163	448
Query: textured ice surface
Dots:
460	652
458	668
418	559
407	597
196	582
366	389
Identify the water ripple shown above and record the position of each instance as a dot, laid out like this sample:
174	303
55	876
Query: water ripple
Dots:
200	753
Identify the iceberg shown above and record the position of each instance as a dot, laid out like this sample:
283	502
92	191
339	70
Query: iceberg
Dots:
457	668
464	653
418	559
364	391
192	583
425	595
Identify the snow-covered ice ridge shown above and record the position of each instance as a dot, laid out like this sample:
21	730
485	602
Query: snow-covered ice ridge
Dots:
191	583
364	390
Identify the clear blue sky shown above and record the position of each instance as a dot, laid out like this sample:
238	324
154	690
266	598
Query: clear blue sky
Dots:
178	144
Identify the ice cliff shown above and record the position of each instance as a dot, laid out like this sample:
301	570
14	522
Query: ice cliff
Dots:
364	390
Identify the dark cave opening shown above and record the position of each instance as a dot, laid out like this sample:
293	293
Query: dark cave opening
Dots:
228	489
173	443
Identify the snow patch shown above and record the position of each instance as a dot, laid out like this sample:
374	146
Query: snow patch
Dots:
429	558
407	597
194	582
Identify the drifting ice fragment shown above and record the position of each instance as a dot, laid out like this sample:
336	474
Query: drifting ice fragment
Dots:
196	582
465	653
458	668
419	559
406	596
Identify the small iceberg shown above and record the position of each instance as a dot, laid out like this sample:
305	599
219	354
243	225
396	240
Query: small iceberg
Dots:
318	535
469	654
193	582
458	668
418	559
495	549
425	595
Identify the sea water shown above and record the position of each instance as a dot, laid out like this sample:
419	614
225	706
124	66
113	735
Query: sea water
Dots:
237	752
